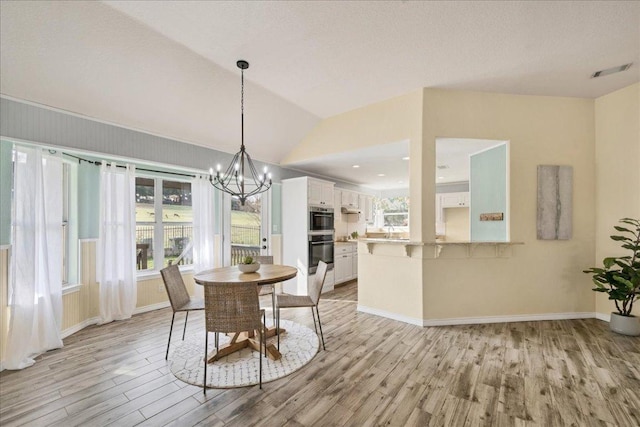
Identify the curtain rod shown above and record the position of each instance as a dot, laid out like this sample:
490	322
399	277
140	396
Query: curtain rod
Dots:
80	159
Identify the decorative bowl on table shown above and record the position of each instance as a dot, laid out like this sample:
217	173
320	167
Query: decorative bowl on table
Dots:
249	268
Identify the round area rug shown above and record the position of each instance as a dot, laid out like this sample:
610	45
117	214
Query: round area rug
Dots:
298	345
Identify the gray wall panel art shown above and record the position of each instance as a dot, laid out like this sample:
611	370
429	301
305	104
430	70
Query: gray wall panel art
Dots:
555	206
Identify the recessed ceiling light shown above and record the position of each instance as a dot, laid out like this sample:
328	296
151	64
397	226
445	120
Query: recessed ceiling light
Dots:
380	174
400	182
355	166
611	70
405	158
441	177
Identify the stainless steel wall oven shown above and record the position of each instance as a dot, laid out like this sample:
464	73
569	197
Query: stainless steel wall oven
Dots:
320	219
320	249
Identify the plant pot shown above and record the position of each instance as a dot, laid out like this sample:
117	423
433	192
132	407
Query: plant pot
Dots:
625	325
249	268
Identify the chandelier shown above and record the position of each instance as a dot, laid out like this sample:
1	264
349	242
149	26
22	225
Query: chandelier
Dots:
240	179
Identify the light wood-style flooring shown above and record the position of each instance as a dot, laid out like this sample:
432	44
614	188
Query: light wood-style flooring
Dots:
375	371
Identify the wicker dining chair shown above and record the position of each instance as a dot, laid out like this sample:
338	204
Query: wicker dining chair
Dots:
310	300
268	289
179	298
232	307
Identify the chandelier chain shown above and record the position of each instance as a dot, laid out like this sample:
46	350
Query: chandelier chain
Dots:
241	91
241	179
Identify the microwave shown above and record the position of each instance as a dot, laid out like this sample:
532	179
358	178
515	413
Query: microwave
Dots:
320	219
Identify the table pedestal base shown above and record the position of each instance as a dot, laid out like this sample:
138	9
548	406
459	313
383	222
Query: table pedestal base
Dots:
242	340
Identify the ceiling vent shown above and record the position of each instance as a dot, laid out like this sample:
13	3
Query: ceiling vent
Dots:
443	166
611	70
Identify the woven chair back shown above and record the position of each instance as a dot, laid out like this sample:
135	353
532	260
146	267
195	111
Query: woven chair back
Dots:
231	307
173	283
264	259
315	288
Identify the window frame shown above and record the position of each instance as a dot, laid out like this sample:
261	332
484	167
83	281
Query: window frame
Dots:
158	225
70	229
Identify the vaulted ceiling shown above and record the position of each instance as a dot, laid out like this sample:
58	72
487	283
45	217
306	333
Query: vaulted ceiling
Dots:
168	67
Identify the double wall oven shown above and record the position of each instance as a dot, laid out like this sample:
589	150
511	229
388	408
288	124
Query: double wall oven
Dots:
321	236
320	249
320	219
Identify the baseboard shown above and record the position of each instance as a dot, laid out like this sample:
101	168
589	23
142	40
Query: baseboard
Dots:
390	315
78	327
604	316
483	319
67	332
95	320
507	319
152	307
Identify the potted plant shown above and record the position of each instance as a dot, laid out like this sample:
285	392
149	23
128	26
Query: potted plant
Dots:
248	265
620	278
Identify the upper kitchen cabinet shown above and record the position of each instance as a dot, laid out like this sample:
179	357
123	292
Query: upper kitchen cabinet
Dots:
366	205
454	200
350	199
320	192
337	202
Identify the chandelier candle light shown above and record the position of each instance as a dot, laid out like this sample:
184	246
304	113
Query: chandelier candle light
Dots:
234	180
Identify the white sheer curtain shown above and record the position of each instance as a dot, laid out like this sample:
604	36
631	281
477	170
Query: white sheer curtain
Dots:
36	261
203	194
116	251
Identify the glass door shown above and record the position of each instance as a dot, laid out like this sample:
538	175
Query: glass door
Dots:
246	228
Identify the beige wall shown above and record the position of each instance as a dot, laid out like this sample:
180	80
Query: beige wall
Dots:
457	224
392	120
388	121
389	282
617	129
540	277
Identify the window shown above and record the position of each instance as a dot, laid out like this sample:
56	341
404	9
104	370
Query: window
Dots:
65	223
69	224
164	225
394	212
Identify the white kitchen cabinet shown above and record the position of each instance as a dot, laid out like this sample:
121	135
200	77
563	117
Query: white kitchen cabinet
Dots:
366	204
337	202
320	193
346	262
349	199
342	267
448	200
454	200
298	194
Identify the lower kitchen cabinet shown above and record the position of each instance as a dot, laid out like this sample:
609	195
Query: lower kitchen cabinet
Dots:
345	262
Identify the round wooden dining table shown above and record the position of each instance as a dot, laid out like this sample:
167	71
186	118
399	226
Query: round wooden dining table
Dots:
266	275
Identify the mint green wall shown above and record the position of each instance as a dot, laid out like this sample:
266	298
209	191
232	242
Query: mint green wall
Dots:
488	188
88	200
6	178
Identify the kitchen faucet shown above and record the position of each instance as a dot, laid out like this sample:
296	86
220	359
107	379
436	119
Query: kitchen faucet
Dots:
390	229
